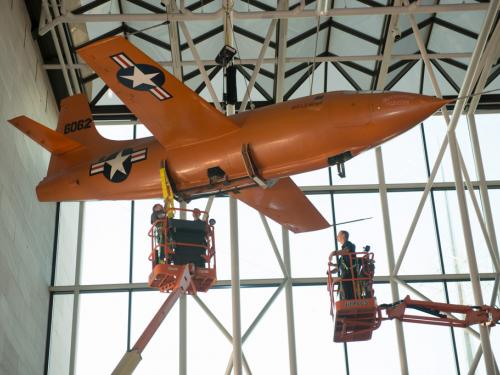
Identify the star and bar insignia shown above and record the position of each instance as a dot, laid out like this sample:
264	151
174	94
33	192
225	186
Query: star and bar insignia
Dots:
117	166
141	77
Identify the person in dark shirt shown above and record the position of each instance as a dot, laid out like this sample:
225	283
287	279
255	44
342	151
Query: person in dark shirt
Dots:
345	269
157	218
158	213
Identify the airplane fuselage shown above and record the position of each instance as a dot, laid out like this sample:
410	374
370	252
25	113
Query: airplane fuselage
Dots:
284	139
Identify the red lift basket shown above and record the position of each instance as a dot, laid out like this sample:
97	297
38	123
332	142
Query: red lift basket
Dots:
357	317
177	242
356	314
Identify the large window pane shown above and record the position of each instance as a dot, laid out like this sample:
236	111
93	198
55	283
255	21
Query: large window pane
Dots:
66	243
494	196
102	332
162	351
309	251
106	242
364	232
452	238
142	242
267	347
257	259
314	333
208	350
439	357
489	134
60	335
435	131
422	256
404	158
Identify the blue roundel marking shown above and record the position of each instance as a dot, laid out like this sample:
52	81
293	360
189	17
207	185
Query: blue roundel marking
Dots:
158	78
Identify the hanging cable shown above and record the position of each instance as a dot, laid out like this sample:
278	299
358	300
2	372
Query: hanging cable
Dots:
313	68
237	56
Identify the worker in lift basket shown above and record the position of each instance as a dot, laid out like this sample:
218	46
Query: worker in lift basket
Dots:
158	219
345	270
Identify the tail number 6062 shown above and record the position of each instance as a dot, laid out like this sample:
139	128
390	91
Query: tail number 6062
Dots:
77	125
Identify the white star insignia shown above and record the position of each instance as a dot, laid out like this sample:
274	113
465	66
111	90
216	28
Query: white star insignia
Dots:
116	164
138	78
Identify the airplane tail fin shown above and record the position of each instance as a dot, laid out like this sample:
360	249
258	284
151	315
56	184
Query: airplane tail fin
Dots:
76	122
73	138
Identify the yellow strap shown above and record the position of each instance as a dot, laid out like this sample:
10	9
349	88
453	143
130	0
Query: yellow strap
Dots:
168	194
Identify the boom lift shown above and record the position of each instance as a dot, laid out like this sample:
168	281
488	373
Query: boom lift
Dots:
183	262
358	315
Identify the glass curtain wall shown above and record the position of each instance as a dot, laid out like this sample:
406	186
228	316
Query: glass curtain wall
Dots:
101	303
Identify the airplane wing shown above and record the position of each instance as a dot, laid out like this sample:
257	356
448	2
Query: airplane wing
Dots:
286	204
175	114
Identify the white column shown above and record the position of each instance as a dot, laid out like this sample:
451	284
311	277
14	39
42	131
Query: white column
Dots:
76	294
183	321
235	286
292	353
403	361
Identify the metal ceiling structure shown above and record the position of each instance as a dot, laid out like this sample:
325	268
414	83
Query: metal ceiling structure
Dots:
280	45
287	49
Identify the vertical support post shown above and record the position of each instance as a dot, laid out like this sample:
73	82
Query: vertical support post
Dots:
174	43
76	296
64	41
183	320
469	247
235	286
403	361
469	81
390	258
58	49
280	68
292	355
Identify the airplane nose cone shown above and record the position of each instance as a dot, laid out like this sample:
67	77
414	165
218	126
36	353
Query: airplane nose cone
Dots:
394	112
427	105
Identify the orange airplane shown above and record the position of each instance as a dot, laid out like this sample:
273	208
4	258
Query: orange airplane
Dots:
249	155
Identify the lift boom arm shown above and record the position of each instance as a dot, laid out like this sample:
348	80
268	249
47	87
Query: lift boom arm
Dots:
131	359
440	313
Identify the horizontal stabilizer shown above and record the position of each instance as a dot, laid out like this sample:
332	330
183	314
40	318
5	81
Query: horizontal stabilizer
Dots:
286	204
52	141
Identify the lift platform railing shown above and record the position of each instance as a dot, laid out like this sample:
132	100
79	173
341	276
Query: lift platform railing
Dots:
359	273
350	281
176	242
163	245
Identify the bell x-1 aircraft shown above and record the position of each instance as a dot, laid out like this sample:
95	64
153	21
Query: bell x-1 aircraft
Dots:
249	156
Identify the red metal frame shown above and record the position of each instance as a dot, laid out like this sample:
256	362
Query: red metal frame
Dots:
439	313
164	274
361	260
356	319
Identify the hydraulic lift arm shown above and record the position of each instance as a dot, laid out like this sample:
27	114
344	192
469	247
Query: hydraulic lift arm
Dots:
131	359
440	313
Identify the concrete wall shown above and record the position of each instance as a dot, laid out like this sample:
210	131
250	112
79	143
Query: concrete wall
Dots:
26	226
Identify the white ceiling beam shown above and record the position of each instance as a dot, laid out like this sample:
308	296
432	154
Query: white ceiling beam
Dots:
186	15
432	56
